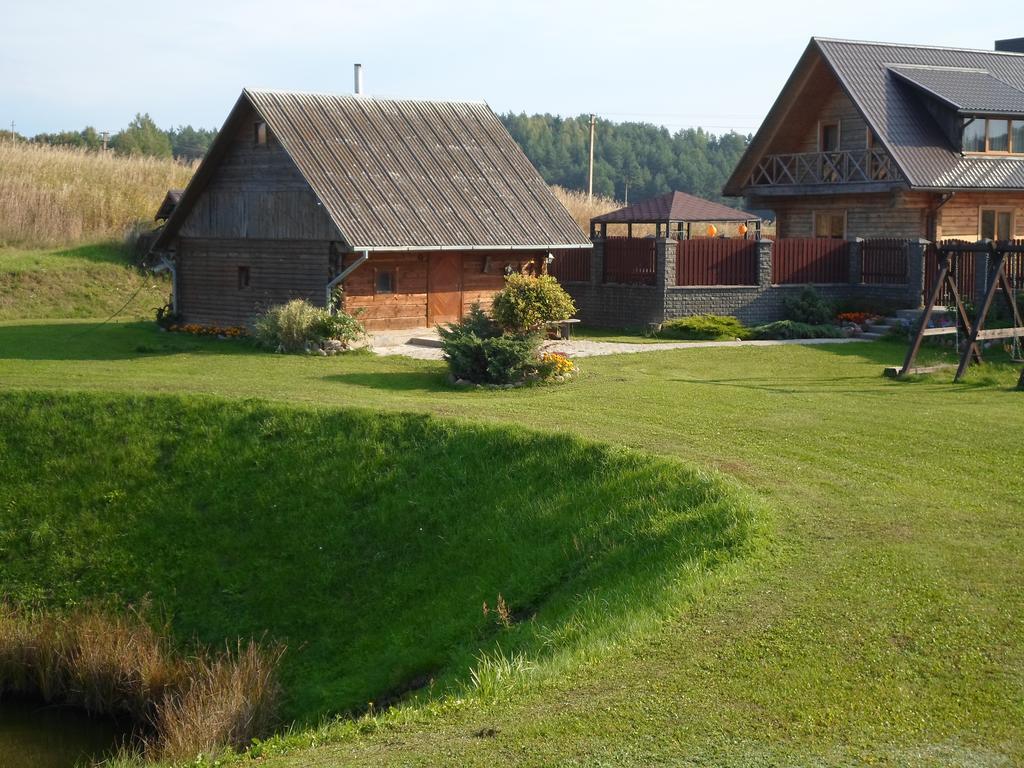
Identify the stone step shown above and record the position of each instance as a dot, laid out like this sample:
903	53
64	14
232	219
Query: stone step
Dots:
425	341
872	336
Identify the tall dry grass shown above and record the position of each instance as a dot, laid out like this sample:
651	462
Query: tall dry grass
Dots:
582	208
58	196
120	665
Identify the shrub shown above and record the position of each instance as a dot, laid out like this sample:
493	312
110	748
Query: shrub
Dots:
702	327
789	329
526	303
809	307
477	351
298	326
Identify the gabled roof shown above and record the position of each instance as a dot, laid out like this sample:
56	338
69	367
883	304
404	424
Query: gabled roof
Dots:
875	77
675	206
170	202
968	91
404	174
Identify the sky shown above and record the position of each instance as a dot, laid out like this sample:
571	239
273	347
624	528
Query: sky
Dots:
714	64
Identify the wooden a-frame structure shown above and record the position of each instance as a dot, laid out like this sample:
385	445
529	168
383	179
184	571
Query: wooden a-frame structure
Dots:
970	350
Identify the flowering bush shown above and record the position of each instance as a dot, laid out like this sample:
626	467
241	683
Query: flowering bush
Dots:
527	303
857	318
231	331
558	364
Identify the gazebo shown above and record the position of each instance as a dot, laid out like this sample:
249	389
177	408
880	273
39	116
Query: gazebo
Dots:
672	215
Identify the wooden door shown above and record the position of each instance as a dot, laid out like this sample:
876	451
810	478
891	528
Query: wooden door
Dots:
444	288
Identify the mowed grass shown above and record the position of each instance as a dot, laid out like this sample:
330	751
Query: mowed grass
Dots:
881	625
368	544
85	281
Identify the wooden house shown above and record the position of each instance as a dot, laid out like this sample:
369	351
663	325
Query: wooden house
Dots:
899	141
414	208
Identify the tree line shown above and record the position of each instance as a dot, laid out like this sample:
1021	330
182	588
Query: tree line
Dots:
142	136
631	160
640	159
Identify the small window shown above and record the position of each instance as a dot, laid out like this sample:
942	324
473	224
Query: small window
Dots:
260	131
830	225
1017	137
829	138
243	278
974	135
384	281
996	224
998	135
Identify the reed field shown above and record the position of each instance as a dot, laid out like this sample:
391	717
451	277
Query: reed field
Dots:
52	196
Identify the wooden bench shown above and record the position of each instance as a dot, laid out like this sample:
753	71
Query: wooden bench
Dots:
564	327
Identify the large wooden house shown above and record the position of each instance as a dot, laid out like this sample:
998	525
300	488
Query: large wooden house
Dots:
414	208
882	140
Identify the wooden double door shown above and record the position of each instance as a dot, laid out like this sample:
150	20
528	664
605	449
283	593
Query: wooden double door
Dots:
444	288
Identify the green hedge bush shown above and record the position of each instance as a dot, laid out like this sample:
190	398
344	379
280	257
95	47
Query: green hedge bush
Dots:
298	326
476	350
526	303
809	308
788	329
704	327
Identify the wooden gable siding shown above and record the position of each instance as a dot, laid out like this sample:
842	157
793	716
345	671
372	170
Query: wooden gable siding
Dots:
958	218
257	193
902	215
407	306
208	278
837	108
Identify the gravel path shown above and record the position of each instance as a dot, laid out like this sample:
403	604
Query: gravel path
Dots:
587	348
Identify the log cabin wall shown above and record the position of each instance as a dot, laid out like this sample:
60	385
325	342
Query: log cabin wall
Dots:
901	215
482	275
228	282
959	218
837	108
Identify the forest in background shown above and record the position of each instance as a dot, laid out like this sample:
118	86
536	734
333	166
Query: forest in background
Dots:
632	161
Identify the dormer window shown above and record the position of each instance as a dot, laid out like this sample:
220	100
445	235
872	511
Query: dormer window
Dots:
260	133
995	135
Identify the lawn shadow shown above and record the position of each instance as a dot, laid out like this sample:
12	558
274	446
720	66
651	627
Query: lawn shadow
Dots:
396	381
104	341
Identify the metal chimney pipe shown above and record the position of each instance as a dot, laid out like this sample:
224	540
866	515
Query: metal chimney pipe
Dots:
358	79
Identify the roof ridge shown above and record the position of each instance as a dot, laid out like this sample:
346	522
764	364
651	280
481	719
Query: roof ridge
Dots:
938	67
361	97
994	52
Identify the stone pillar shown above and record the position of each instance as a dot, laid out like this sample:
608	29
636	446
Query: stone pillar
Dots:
597	261
856	256
764	264
915	272
665	262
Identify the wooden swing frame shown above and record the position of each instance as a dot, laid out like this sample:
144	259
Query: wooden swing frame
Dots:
970	350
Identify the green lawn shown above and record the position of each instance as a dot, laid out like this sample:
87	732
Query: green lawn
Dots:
880	623
85	281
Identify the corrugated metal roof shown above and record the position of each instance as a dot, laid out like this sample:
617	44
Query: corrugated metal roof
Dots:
675	206
403	174
904	127
970	91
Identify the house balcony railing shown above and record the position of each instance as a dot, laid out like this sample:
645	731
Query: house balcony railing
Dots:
849	166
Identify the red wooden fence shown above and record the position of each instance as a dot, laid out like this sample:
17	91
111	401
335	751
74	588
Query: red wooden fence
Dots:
884	261
817	260
1015	268
629	260
716	262
570	265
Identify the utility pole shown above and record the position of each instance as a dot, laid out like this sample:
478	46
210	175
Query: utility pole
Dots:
590	183
626	201
12	133
105	135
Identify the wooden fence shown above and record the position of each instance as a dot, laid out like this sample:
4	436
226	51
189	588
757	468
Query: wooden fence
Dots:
630	260
716	262
571	265
815	260
963	271
884	261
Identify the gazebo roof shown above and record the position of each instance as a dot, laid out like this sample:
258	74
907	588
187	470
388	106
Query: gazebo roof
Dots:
674	206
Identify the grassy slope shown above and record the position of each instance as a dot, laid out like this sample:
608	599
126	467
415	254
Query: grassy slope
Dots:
367	543
885	626
88	281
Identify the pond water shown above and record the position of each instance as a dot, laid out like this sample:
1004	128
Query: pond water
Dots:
35	736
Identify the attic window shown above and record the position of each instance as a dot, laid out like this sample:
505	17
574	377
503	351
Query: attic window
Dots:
995	135
260	131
